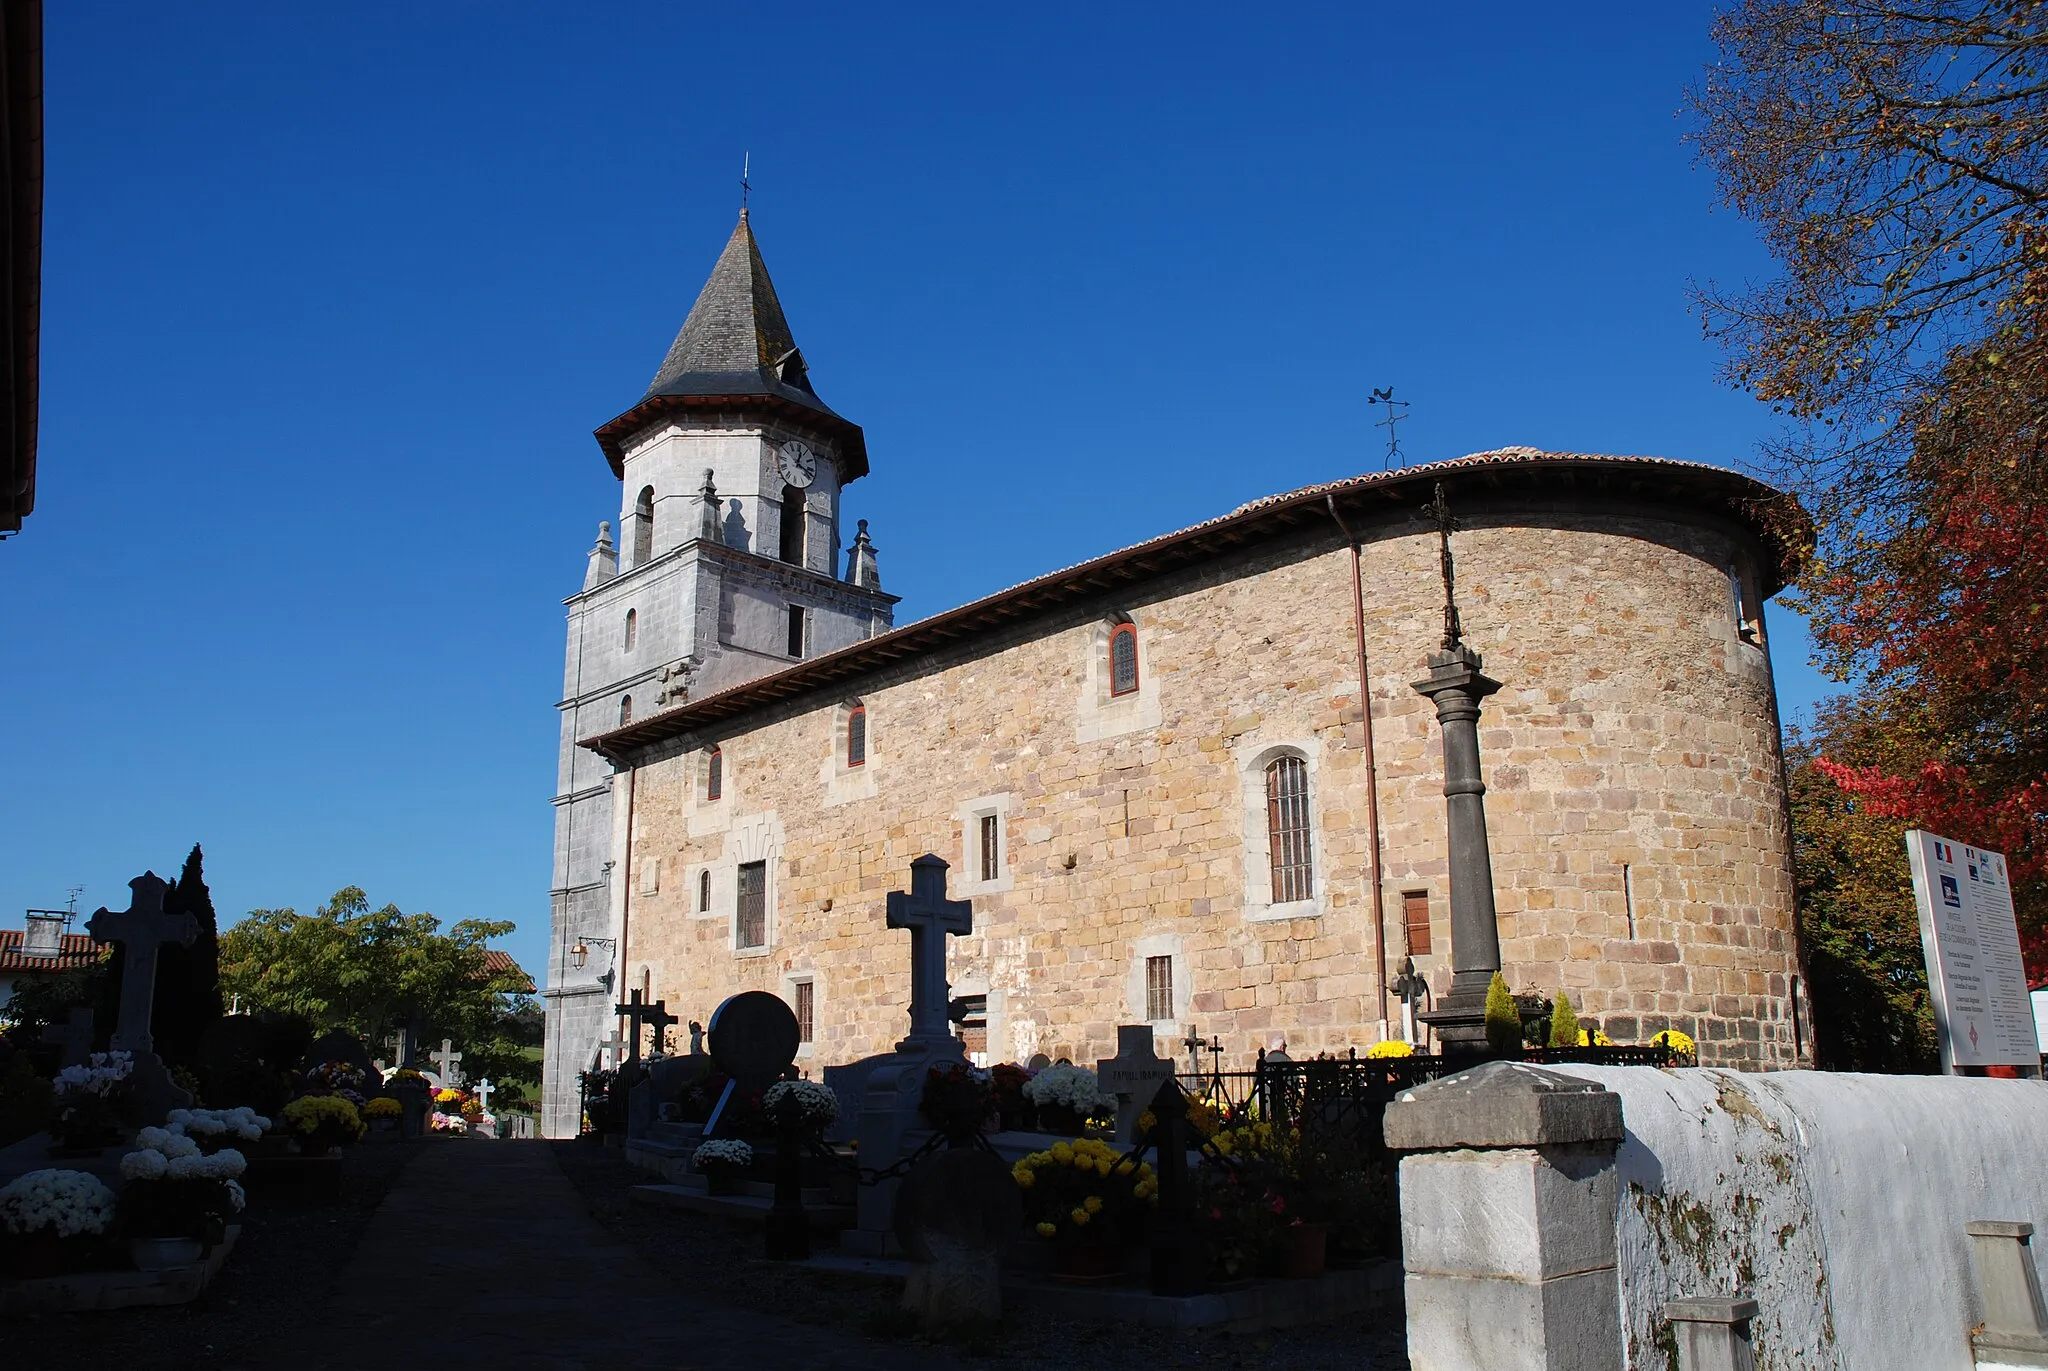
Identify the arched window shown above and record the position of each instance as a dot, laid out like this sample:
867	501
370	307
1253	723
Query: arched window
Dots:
704	890
643	526
632	627
793	525
1123	659
714	780
857	736
625	711
1287	830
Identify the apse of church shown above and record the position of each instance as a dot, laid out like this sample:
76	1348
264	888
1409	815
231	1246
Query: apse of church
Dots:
1148	773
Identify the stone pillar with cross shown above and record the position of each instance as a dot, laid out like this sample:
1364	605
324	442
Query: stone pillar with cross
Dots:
141	929
890	1120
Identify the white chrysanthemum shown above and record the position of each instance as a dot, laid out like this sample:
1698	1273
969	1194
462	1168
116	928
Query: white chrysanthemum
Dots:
185	1168
237	1195
146	1165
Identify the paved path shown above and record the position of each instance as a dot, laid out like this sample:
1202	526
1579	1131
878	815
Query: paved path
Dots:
489	1243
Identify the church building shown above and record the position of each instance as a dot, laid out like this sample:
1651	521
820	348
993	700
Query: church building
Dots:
1151	773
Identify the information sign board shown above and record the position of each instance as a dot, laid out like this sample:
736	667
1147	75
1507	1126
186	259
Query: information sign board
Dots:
1975	977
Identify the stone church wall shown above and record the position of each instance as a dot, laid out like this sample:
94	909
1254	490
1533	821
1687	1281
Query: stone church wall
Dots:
1636	805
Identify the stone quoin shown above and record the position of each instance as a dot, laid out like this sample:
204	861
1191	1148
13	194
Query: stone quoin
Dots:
1148	771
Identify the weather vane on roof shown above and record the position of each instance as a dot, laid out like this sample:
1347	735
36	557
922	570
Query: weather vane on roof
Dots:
1396	412
746	171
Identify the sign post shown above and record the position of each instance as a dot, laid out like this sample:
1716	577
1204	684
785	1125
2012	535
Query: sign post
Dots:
1976	979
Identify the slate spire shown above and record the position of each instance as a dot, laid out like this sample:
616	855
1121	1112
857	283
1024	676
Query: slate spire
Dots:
736	337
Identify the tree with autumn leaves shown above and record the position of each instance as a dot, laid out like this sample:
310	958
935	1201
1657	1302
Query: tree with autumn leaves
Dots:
1895	159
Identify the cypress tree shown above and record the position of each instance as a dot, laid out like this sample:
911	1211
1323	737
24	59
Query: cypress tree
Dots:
1503	1020
1564	1023
188	978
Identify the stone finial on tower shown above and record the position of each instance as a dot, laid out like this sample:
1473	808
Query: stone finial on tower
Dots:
861	569
604	558
710	529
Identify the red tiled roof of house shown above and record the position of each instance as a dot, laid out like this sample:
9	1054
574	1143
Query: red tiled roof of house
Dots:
78	950
498	963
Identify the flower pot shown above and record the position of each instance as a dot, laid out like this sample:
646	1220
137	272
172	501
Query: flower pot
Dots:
164	1254
1057	1118
722	1182
1306	1254
1087	1263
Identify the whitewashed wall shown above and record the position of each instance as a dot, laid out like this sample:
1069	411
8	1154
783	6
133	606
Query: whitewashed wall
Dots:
1836	1200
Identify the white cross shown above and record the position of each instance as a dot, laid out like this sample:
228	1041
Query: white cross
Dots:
141	929
447	1061
482	1090
610	1046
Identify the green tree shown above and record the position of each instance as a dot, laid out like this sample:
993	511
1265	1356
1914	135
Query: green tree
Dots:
349	967
1564	1023
188	977
1503	1019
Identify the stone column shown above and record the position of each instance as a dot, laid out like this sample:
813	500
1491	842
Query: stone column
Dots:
2015	1328
1456	686
1508	1216
1712	1333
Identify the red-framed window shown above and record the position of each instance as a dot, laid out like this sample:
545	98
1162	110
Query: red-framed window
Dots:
714	775
857	736
1123	659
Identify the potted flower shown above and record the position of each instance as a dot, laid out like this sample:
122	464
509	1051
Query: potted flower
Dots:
382	1114
52	1220
453	1124
722	1161
1268	1202
177	1200
1014	1110
1088	1201
817	1106
1684	1051
1067	1098
323	1123
956	1100
214	1129
87	1106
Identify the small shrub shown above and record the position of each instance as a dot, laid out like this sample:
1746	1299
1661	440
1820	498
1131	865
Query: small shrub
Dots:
1503	1019
1564	1023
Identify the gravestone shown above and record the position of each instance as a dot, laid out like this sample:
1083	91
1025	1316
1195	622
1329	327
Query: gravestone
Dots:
1134	1076
891	1110
1039	1062
754	1037
142	929
666	1081
74	1037
955	1213
450	1063
483	1092
235	1066
338	1046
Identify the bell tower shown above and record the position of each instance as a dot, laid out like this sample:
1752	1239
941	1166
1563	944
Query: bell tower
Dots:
725	569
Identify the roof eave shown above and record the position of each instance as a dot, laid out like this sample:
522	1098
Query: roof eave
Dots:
852	442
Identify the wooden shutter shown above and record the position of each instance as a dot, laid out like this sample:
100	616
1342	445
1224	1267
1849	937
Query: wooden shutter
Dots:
1415	919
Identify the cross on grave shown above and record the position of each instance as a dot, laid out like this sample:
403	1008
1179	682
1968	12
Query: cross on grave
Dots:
448	1061
402	1046
1194	1044
930	917
74	1037
640	1012
608	1052
1133	1075
482	1091
141	929
659	1019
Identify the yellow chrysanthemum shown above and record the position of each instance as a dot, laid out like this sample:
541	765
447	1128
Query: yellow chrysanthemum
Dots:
1026	1179
1062	1153
1093	1204
1046	1230
1079	1216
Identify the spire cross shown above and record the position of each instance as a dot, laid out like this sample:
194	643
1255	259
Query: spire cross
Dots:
1440	511
746	170
1395	414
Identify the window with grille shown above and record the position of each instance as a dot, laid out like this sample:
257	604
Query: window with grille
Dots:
704	890
751	930
714	775
857	736
625	711
1415	919
632	627
1158	988
1123	660
991	833
796	630
806	1008
1287	830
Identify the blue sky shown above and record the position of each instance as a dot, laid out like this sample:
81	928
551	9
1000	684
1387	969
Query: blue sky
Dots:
333	298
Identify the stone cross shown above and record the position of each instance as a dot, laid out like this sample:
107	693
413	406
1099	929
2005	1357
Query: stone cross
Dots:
141	929
75	1037
482	1092
448	1061
1133	1075
609	1049
659	1019
401	1045
931	918
640	1012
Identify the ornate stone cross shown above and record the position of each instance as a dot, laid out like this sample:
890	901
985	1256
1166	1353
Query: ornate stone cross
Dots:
931	918
448	1061
141	929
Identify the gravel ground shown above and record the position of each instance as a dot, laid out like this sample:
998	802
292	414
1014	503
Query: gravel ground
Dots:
275	1290
721	1262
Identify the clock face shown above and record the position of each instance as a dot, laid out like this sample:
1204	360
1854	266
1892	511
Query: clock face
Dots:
799	464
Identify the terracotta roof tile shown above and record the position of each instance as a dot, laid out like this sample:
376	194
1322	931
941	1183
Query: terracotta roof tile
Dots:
78	950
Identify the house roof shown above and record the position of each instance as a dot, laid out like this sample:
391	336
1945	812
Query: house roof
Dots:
77	950
735	349
498	963
1780	525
